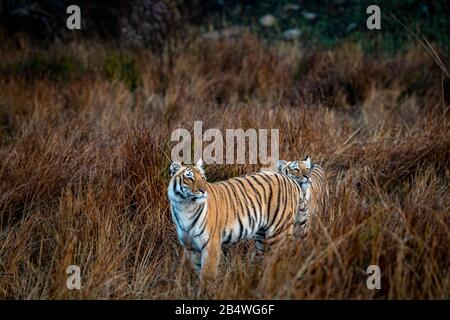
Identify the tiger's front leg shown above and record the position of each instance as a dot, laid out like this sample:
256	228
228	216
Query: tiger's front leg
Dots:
210	259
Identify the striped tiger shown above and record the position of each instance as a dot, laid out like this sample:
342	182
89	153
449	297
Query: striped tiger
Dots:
260	206
313	182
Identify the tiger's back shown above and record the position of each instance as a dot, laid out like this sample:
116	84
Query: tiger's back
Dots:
256	206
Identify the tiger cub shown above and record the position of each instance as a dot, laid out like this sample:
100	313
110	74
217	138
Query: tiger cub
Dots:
313	182
260	206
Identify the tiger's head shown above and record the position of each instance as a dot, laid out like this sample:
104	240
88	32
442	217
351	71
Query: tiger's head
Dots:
187	183
298	170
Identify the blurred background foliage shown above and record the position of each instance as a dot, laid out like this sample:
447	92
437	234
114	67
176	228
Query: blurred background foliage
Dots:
161	24
128	30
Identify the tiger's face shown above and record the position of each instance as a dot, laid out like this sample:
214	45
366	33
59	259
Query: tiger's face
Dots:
187	183
298	170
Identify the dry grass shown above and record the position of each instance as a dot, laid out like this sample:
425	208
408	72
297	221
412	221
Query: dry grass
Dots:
84	160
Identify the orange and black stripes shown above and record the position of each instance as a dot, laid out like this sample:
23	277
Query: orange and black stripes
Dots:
319	188
261	206
313	182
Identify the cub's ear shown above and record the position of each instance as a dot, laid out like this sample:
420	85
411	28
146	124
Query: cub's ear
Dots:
199	164
280	165
174	167
308	162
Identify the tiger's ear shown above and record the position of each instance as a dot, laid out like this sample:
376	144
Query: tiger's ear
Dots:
280	165
174	167
308	162
199	164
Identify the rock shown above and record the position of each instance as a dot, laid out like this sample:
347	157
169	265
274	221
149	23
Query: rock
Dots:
268	20
351	27
226	33
291	7
292	34
311	16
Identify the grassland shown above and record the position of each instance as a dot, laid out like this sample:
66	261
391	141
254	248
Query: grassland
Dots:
85	148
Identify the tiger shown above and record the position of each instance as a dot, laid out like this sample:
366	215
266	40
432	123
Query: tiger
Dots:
260	206
313	182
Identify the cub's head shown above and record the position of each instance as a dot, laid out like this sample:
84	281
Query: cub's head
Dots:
187	183
298	170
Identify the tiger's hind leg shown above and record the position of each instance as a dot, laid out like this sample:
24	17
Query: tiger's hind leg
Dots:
279	237
260	238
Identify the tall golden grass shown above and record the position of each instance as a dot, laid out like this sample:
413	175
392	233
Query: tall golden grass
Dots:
84	169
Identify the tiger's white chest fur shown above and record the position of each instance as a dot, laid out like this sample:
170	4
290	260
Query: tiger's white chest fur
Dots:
190	218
